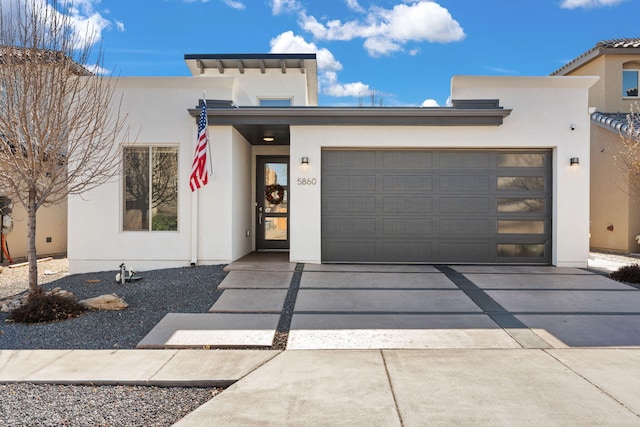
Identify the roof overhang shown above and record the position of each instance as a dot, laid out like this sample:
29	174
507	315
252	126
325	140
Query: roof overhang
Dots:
607	47
255	122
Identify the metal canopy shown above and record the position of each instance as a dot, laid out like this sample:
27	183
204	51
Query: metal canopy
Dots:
241	62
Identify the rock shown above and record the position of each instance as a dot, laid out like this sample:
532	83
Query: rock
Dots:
104	302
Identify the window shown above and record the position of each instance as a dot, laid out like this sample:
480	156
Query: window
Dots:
630	83
266	102
151	188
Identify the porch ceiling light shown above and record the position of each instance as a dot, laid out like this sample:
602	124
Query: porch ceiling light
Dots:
574	161
268	138
304	161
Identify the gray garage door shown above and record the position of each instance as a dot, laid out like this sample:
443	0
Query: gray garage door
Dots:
436	206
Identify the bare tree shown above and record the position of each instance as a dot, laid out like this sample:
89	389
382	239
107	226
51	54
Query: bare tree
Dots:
628	158
59	123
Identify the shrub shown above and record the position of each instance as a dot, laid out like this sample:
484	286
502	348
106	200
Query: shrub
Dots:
41	307
628	273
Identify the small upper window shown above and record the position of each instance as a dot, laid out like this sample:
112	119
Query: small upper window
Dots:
266	102
630	83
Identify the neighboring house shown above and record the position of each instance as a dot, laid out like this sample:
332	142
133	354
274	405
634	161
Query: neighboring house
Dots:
615	206
488	180
51	231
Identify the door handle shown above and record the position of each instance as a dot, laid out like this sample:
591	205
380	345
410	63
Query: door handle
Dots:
260	215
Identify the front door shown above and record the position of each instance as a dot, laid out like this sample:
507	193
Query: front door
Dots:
272	203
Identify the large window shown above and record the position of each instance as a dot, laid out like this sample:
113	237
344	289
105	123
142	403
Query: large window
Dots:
630	83
150	188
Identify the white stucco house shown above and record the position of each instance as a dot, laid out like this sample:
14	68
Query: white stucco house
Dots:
499	177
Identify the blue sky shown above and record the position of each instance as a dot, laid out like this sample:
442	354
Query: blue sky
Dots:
404	50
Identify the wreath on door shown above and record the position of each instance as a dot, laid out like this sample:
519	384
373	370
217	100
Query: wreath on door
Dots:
274	194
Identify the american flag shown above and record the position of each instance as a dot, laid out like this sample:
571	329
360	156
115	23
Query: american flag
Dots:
200	166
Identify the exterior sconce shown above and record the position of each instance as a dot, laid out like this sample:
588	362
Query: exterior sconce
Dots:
304	161
574	161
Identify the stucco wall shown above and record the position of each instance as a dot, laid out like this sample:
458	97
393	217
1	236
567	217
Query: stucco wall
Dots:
544	108
50	222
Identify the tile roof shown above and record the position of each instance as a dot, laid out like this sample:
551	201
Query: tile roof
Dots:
617	122
622	43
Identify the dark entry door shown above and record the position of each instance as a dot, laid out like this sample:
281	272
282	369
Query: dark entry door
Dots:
272	203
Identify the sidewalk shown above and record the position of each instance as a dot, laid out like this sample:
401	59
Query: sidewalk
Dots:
367	387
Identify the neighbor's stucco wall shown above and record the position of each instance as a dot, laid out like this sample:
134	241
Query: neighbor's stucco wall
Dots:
544	108
51	222
606	95
610	203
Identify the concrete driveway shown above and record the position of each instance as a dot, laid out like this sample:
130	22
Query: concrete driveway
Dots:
408	307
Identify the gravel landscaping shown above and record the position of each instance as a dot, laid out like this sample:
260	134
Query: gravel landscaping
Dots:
177	290
52	405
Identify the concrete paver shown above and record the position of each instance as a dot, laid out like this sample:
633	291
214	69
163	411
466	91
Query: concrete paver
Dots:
546	281
256	280
350	280
102	367
615	371
18	365
586	330
250	300
218	368
369	331
371	268
497	388
387	301
188	330
518	269
547	301
324	388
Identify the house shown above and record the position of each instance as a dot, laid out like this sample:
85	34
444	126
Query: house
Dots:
499	177
615	205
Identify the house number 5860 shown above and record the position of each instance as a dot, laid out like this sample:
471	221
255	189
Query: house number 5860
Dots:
307	181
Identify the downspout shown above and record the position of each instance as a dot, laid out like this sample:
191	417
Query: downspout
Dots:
194	228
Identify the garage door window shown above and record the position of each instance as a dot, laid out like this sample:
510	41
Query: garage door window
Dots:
520	160
521	251
521	227
520	183
520	205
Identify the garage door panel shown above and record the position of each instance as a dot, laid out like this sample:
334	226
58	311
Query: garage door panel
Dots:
467	205
421	160
407	183
467	227
464	160
407	205
401	251
407	227
436	206
354	204
464	184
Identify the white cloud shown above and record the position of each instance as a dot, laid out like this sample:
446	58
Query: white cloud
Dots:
574	4
120	26
235	4
430	103
388	30
328	65
353	5
285	6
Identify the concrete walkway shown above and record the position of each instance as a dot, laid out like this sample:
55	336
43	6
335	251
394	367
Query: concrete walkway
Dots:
552	387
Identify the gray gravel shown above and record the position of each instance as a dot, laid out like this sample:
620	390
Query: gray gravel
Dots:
177	290
49	405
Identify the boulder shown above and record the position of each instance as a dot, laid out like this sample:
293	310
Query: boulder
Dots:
104	302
